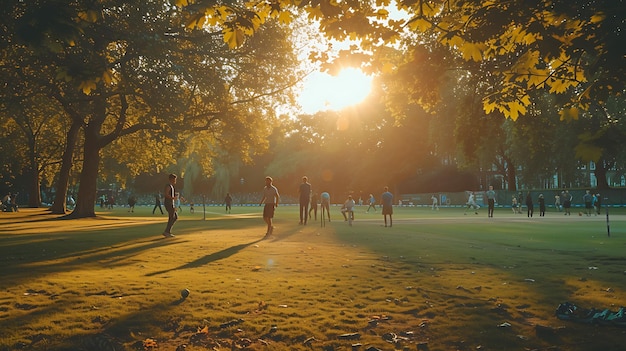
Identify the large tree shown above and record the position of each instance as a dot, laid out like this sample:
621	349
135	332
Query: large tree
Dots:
137	68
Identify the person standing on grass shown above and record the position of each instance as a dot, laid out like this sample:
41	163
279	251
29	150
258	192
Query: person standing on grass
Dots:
598	203
170	196
270	199
567	203
435	205
529	205
588	200
157	203
557	202
514	203
325	204
542	205
491	201
313	205
228	201
387	202
471	203
131	203
305	198
372	203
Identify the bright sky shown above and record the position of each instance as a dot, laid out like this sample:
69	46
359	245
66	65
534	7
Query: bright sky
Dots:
322	91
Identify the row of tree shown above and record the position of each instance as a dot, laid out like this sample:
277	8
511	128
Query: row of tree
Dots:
95	90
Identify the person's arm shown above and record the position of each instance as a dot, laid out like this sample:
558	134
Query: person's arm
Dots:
277	199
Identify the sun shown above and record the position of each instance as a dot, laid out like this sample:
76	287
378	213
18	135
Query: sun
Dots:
325	92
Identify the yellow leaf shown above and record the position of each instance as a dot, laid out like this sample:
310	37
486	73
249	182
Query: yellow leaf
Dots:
181	3
598	17
568	114
285	17
382	14
87	86
472	51
489	106
233	37
419	24
107	78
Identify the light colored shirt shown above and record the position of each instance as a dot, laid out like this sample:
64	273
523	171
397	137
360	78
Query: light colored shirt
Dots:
270	195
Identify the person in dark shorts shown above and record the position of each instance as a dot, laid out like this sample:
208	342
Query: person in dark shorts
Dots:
270	199
387	202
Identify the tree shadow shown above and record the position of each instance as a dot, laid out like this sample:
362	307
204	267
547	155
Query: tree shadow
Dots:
208	258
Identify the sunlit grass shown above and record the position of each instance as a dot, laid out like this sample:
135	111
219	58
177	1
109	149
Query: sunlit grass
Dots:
436	277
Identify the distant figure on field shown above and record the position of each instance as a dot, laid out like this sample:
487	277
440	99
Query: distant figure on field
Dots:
131	203
270	199
157	203
514	204
435	200
313	207
567	203
170	196
542	205
305	198
372	202
588	200
387	202
228	201
325	204
598	203
348	207
557	203
471	203
491	201
529	205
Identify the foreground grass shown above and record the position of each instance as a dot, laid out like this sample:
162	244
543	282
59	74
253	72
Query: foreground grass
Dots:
437	280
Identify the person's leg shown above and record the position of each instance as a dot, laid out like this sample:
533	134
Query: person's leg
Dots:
171	219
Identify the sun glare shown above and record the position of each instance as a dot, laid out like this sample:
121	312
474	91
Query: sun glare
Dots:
325	92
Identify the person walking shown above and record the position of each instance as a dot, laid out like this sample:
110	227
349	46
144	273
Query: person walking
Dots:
325	204
170	196
471	203
491	201
557	202
270	199
598	203
529	205
514	204
157	203
305	198
588	200
313	205
435	200
567	203
131	203
228	201
372	201
387	202
542	205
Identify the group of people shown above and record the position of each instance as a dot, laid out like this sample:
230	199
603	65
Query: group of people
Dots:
562	202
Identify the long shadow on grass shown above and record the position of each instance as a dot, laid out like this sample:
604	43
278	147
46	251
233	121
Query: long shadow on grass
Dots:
208	258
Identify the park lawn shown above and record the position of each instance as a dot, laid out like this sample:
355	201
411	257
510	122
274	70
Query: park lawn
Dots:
436	280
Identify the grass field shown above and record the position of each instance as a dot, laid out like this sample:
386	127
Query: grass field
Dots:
436	280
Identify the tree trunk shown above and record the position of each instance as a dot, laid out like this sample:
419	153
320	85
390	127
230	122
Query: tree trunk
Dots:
510	174
59	204
34	198
86	197
601	169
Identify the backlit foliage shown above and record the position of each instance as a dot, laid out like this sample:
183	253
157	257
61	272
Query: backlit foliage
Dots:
566	47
